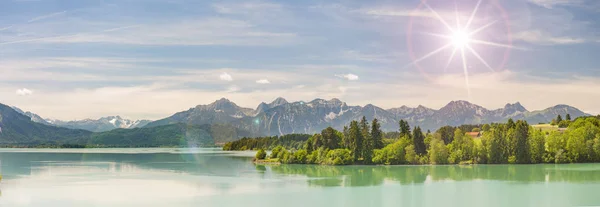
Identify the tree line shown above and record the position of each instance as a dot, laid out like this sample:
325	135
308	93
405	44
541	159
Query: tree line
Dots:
513	142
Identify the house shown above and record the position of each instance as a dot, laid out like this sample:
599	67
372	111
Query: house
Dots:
474	135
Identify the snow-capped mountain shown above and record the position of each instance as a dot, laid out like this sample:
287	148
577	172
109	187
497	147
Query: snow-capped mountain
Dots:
283	117
220	111
95	125
100	125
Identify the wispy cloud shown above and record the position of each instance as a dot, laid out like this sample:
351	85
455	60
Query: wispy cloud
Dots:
539	37
207	31
552	3
46	16
263	81
246	8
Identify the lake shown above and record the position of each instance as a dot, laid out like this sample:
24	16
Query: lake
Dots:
211	177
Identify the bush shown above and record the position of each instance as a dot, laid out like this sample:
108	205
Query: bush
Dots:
301	156
411	155
438	153
339	157
392	154
261	154
512	159
275	152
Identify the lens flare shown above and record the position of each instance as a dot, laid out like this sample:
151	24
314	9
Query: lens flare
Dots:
460	39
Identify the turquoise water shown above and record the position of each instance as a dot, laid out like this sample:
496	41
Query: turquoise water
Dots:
210	177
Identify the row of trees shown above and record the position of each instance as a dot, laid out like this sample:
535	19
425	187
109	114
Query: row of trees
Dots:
290	141
560	122
500	143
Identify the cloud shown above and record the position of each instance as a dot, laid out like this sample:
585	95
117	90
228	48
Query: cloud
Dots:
349	76
46	16
225	77
552	3
24	92
246	8
542	38
263	81
201	31
396	12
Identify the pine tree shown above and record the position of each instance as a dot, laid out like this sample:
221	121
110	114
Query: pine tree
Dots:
568	117
376	134
367	146
404	129
510	124
419	141
522	145
558	119
355	138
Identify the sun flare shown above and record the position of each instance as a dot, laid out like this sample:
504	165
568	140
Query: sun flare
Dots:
460	39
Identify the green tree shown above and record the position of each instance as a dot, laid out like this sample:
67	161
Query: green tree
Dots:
377	134
392	154
486	127
404	128
317	141
559	119
438	154
568	117
510	124
276	151
461	148
331	138
555	142
368	142
522	145
347	143
447	134
537	144
356	140
496	143
419	141
260	154
411	155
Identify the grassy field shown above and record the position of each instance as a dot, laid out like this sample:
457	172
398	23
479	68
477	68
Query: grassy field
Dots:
545	127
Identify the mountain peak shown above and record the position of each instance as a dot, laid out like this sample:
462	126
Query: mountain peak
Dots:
335	101
278	102
516	106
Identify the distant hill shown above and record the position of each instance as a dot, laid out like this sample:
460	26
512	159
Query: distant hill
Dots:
17	129
95	125
283	117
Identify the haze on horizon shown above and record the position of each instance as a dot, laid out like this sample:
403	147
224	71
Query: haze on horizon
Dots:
150	59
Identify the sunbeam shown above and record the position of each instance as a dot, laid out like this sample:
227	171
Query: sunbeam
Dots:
461	37
429	55
480	58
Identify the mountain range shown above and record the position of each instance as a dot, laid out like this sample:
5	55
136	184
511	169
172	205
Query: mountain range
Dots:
223	120
282	117
95	125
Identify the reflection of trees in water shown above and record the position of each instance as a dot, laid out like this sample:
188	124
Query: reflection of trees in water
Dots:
375	175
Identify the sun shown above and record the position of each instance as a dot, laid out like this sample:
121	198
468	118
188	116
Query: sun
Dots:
460	39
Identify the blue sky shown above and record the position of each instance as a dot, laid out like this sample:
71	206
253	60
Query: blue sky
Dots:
151	58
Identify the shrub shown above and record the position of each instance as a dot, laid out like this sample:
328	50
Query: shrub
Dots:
261	154
339	157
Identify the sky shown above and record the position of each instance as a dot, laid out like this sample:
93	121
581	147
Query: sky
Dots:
147	59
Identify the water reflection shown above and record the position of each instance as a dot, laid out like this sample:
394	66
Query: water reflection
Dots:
405	175
176	178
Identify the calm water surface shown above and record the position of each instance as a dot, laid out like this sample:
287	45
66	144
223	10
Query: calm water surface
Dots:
210	177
